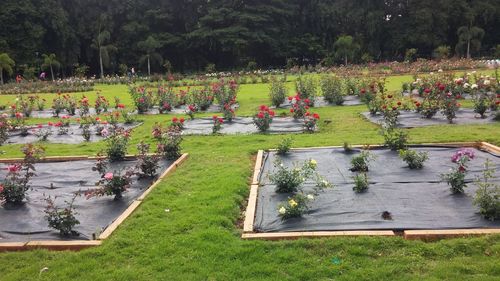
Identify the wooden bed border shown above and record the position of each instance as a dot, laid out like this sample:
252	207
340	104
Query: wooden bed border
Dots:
428	234
76	245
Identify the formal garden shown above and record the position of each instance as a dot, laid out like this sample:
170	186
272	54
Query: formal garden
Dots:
249	140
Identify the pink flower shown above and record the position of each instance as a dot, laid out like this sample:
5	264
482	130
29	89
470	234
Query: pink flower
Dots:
108	176
13	168
5	115
1	188
104	132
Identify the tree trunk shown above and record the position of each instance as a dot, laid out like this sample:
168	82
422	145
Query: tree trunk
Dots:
149	67
100	63
52	72
468	49
1	75
345	59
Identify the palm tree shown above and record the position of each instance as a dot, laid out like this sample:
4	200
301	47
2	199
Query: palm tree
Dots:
6	63
149	46
99	43
345	47
50	61
470	36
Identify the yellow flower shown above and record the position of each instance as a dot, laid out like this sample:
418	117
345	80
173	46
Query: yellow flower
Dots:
282	210
313	162
292	203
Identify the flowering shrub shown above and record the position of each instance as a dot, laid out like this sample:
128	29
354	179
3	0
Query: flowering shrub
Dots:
487	196
306	88
65	86
148	164
63	220
360	183
225	92
70	104
284	146
16	183
449	106
217	126
414	159
168	141
177	123
290	180
43	132
101	104
111	183
228	111
4	128
295	206
58	105
86	132
331	87
481	103
84	106
191	110
456	177
263	118
166	99
360	162
142	100
310	121
277	92
299	106
202	98
116	143
395	139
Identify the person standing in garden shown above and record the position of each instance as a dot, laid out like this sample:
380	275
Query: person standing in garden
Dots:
19	78
42	75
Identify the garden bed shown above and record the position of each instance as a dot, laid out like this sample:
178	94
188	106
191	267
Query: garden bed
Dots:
73	136
321	102
25	227
411	119
242	125
419	203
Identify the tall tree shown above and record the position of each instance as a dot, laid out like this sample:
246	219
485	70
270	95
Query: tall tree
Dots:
149	46
50	61
100	43
345	47
469	36
6	63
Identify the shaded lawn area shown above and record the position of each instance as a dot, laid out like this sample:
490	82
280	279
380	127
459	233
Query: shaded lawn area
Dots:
187	227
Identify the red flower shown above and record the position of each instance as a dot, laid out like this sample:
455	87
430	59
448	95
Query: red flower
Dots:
306	107
363	91
291	110
215	117
399	103
174	120
394	108
316	116
441	87
141	100
417	104
389	96
121	105
263	108
271	113
181	120
1	188
306	101
260	115
427	90
290	98
307	113
40	126
384	107
50	123
221	120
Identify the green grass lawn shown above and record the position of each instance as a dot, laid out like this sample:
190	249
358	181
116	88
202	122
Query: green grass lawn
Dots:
199	238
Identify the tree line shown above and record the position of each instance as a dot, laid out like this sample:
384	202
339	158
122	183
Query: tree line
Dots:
94	37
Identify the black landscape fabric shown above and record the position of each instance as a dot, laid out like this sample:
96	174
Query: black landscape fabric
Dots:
73	135
321	102
415	199
411	119
242	125
63	179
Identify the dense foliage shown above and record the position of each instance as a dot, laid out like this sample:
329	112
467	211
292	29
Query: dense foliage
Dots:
215	35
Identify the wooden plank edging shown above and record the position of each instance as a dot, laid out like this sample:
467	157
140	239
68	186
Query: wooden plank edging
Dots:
312	234
258	165
251	207
434	234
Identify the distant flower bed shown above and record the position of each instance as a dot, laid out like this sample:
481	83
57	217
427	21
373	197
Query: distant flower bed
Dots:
58	86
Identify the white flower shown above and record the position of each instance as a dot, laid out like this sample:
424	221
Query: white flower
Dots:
468	74
310	196
282	210
303	179
474	86
486	82
466	85
432	73
440	70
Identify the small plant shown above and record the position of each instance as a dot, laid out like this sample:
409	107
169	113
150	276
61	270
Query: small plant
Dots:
42	133
263	118
114	183
228	111
63	220
191	110
347	147
217	126
306	88
116	143
177	123
360	183
86	132
299	106
295	206
360	162
277	92
449	107
414	159
101	104
395	139
456	177
148	164
290	180
284	146
310	121
487	196
481	104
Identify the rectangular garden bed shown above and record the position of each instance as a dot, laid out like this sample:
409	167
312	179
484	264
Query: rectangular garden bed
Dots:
420	204
25	227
